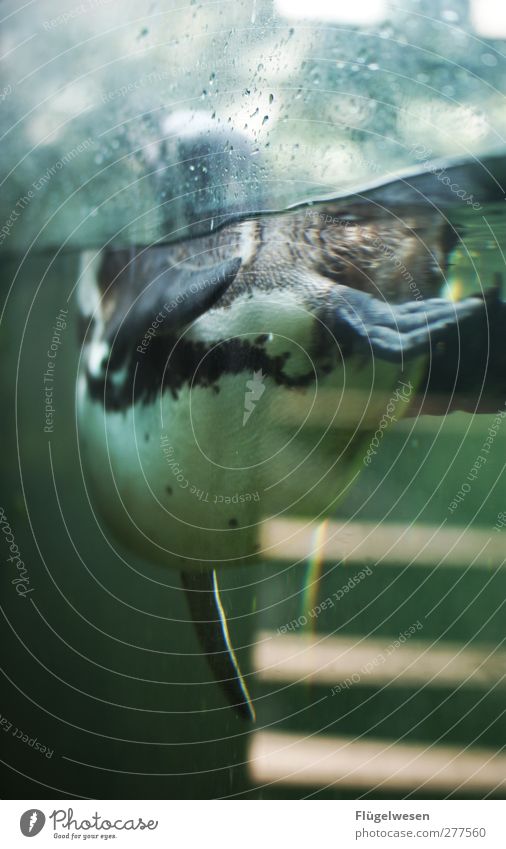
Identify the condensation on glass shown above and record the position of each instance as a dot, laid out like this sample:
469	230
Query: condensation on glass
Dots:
132	121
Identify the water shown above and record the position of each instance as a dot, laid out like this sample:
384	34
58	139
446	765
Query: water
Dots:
101	647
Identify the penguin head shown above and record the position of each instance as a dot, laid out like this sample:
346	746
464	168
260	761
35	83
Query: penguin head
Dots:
204	174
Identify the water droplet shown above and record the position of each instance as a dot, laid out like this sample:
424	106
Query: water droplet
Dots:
489	59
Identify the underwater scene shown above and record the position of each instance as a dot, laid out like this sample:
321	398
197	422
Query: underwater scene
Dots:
253	337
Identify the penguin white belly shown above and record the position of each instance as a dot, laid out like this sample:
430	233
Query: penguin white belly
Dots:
189	479
247	416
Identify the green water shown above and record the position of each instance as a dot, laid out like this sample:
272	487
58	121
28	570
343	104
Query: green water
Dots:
98	658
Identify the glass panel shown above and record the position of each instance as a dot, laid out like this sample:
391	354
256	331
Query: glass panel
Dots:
237	399
131	121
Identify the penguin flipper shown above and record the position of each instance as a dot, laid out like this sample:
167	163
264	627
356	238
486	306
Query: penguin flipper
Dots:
149	288
361	323
207	612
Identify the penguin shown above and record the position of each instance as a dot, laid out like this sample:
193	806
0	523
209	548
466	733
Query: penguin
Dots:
204	359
